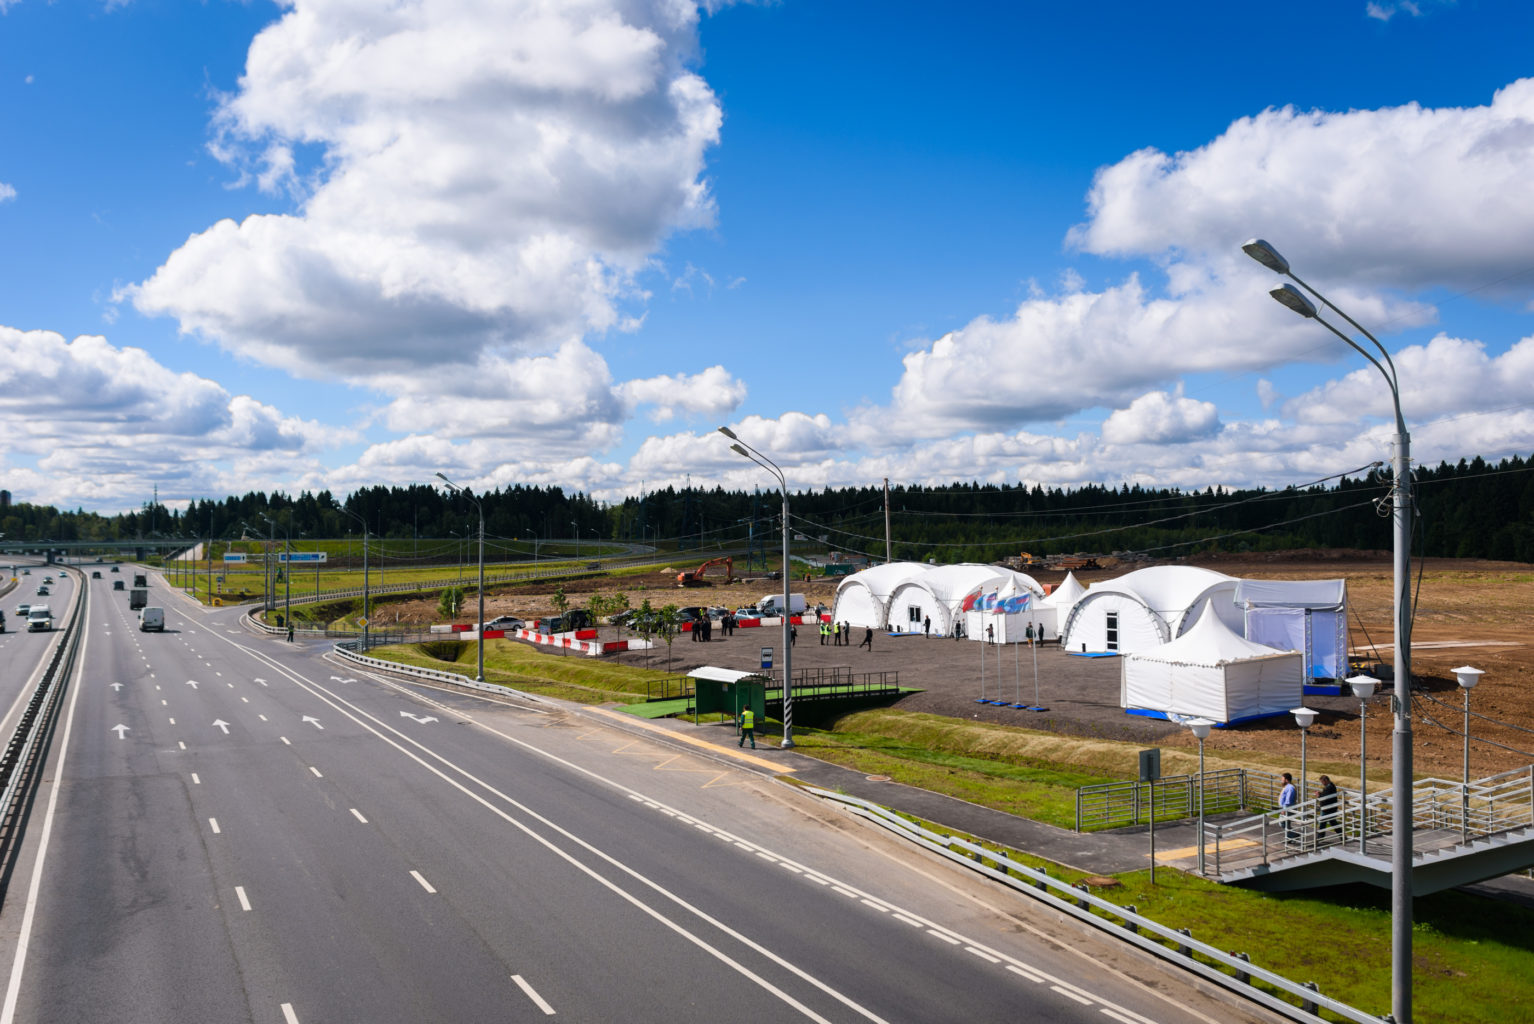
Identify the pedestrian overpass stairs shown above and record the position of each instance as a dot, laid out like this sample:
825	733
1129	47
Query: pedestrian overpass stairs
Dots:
1460	834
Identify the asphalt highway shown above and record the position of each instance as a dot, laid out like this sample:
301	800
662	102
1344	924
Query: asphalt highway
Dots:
238	829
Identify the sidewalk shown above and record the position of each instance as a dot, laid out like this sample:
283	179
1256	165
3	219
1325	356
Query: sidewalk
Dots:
1097	852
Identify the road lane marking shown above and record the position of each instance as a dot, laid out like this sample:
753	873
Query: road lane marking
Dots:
239	891
982	954
172	721
1067	993
195	780
424	883
213	823
527	990
316	772
1024	972
288	1016
358	815
946	938
262	717
182	744
285	740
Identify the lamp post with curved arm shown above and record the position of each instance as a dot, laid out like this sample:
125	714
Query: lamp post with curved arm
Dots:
479	630
741	448
1401	739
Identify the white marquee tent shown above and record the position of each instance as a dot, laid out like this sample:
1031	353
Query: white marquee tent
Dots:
1148	608
862	599
1309	616
1210	672
1054	609
1007	609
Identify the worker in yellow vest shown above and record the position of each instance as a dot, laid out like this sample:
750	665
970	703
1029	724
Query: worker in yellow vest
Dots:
747	728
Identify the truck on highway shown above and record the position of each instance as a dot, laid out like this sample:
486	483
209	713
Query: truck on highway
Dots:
39	619
138	597
141	579
151	620
772	604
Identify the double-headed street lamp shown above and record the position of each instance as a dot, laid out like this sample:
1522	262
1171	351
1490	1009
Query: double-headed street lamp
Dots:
741	448
479	630
1401	752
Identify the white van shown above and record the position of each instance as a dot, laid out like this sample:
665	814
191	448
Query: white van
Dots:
151	620
772	604
39	619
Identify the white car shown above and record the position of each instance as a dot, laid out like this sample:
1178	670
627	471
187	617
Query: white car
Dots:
506	622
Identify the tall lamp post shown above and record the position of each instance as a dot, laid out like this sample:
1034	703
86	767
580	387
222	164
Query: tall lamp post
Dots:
366	612
741	448
287	577
1401	738
1200	727
1304	718
1467	677
577	528
1363	689
479	630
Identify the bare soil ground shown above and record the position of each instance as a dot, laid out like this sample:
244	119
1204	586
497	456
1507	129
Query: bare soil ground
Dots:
1469	612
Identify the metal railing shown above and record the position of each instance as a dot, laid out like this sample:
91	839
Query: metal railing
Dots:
1234	972
1444	814
1122	804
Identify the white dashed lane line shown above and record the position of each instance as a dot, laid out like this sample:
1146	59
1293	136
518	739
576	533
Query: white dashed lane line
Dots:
424	883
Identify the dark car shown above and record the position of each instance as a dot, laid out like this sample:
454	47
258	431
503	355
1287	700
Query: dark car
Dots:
42	591
96	574
114	568
117	584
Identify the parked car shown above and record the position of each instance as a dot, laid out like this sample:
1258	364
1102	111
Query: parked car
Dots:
506	622
747	613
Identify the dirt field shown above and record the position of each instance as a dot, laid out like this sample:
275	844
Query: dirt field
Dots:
1469	612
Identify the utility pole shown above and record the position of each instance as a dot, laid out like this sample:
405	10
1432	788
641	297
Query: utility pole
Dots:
887	557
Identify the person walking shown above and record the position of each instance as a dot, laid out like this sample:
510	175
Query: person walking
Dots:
793	636
868	639
926	626
1286	800
747	728
1326	810
825	628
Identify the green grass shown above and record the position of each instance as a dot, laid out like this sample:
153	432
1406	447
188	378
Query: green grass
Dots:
1473	957
522	667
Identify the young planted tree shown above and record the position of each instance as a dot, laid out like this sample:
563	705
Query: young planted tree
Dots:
643	623
450	602
668	625
617	604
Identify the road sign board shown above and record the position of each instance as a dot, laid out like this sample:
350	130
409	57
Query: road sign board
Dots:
302	556
766	657
362	622
235	556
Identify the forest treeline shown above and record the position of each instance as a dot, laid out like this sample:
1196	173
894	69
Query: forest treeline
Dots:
1470	509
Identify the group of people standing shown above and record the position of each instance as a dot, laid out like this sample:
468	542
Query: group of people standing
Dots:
840	634
703	629
1326	810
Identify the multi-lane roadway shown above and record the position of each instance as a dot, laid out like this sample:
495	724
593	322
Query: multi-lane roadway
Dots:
232	828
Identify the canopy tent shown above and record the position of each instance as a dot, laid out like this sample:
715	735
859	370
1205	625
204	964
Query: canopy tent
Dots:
1148	608
1054	608
1309	616
862	599
938	594
1210	672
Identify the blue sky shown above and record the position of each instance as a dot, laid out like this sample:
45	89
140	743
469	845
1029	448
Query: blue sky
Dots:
288	246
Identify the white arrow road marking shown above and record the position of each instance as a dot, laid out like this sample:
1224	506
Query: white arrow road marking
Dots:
192	683
314	721
117	686
423	721
219	723
120	729
260	680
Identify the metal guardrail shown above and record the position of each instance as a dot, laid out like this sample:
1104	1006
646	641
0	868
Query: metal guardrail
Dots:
22	747
1234	972
346	650
1121	804
1444	814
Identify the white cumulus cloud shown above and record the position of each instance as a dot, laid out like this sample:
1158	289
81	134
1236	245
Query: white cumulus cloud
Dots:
1161	418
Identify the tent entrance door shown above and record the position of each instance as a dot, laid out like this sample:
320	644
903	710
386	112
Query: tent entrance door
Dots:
1112	635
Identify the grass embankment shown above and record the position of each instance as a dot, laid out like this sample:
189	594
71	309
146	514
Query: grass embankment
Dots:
521	667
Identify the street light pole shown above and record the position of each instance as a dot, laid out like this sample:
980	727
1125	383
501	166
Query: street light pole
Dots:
1363	689
577	528
366	612
1401	738
1467	677
479	630
1200	727
1304	718
741	448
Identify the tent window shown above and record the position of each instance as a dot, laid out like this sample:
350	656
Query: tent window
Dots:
1113	631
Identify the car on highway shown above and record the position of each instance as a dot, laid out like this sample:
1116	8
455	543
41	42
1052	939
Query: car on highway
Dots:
114	568
22	609
2	622
42	591
506	622
26	572
96	574
117	584
151	620
39	619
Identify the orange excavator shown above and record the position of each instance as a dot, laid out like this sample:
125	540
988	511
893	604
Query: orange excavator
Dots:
696	577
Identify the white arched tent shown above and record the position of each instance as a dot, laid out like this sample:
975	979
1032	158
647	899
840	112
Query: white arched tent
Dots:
862	599
939	592
1147	608
1210	672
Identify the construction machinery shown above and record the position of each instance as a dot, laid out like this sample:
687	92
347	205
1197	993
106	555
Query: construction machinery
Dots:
697	577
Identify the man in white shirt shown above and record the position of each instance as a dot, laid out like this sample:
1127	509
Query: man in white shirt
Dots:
1286	801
